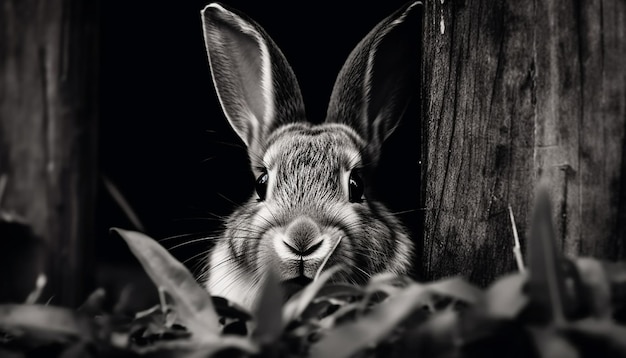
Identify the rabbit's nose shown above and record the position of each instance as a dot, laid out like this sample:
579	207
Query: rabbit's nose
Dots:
303	236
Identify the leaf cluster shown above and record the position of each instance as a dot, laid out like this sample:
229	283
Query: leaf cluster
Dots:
558	307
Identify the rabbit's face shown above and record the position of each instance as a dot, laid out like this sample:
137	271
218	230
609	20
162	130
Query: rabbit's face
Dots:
311	209
310	196
314	206
307	206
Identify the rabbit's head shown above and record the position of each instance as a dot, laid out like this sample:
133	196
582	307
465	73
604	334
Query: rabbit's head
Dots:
313	206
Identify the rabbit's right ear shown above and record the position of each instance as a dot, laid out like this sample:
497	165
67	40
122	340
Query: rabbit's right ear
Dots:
255	85
379	78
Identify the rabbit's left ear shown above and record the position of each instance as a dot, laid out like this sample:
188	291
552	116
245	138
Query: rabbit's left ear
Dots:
255	85
379	78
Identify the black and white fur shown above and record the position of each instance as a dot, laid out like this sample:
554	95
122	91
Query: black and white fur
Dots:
307	204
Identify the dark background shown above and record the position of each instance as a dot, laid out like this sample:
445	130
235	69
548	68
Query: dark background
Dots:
164	142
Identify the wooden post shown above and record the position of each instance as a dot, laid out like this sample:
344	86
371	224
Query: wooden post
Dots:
514	93
48	96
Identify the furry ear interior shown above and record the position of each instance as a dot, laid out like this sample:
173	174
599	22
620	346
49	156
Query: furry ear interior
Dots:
255	85
380	77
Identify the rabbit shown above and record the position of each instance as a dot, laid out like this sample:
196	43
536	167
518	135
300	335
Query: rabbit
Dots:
313	204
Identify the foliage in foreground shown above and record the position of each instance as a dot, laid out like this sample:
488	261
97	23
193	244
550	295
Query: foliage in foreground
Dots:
558	308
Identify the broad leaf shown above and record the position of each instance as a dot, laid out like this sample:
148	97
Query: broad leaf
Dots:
504	299
597	286
192	303
47	323
268	310
457	288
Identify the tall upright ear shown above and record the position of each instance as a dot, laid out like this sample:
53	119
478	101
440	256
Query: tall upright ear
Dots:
255	85
379	78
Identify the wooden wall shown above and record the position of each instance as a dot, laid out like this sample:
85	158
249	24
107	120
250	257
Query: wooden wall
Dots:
48	97
516	92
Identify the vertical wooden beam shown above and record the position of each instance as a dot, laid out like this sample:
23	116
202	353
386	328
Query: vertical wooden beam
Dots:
515	92
48	123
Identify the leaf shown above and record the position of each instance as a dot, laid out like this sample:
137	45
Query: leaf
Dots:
338	290
550	344
457	288
188	349
329	296
40	284
47	323
604	335
546	284
616	274
228	309
341	313
387	283
94	303
350	338
299	302
438	336
268	310
78	350
504	299
192	303
597	286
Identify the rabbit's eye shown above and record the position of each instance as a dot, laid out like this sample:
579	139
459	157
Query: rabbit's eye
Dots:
261	185
355	187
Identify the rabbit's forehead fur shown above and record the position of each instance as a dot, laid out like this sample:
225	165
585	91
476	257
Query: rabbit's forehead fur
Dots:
308	160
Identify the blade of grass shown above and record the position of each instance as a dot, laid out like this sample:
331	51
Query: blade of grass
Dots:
123	204
319	270
40	284
517	249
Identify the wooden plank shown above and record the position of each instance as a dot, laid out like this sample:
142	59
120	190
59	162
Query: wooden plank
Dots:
581	113
515	92
603	54
48	89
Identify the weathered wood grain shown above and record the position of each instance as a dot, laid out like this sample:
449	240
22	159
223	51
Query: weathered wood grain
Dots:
48	89
514	93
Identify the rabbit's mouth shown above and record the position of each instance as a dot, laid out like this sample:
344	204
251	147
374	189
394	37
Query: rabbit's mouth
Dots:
294	285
